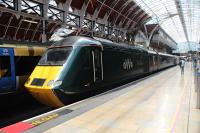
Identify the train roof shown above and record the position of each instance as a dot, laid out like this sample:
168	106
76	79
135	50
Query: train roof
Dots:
85	41
76	41
165	54
103	43
152	52
122	46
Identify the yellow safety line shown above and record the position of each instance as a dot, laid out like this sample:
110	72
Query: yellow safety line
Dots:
176	114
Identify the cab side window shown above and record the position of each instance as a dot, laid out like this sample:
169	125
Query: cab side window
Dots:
97	58
88	59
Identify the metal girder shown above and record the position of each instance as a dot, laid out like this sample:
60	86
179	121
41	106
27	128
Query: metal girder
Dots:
99	29
66	7
8	24
141	23
145	31
26	7
145	19
36	29
8	3
55	14
131	10
112	9
97	14
85	6
42	11
18	27
122	9
88	24
85	24
180	12
53	28
129	13
136	13
26	30
73	20
37	9
3	9
139	18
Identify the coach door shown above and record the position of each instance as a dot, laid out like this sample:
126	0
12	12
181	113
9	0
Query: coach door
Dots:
7	74
97	65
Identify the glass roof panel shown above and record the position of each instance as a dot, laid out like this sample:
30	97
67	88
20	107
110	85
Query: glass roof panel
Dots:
165	12
191	11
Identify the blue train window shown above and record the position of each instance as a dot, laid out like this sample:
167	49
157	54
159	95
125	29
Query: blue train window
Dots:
5	68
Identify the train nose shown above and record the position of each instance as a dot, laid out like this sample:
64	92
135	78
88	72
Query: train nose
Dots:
46	96
41	83
42	90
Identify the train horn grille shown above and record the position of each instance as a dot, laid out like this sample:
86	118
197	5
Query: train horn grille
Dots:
38	82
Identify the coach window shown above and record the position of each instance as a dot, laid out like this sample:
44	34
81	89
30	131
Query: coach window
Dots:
5	69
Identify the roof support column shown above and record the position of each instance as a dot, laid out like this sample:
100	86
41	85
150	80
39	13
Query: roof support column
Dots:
66	8
17	5
44	21
44	36
151	35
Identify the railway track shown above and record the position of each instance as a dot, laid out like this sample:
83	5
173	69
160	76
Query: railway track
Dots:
18	107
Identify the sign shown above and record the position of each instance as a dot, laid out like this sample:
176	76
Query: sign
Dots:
127	64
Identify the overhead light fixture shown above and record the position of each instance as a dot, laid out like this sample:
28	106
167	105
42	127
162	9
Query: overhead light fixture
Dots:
30	21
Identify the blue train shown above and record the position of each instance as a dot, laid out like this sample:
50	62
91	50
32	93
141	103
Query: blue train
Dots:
16	64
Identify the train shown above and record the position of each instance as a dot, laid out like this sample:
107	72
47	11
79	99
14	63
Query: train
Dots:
78	65
16	65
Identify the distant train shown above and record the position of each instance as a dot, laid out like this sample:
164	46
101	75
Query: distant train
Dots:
78	65
16	65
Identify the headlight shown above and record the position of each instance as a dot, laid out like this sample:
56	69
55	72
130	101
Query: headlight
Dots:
54	83
57	83
50	83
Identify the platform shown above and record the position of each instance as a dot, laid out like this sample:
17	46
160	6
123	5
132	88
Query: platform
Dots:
162	103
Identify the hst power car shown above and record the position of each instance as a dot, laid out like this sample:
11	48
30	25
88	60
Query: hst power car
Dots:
79	65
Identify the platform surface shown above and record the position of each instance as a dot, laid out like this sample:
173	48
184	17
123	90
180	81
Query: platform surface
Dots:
164	103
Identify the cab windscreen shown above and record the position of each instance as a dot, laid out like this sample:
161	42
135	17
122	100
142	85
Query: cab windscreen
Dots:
55	56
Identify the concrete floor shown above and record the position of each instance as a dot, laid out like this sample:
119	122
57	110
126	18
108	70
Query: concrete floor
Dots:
165	103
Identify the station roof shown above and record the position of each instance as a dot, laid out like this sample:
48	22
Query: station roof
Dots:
27	25
179	18
125	13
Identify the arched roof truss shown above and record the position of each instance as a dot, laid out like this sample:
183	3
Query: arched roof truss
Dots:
31	19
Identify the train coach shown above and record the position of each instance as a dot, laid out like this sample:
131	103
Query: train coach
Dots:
16	65
78	65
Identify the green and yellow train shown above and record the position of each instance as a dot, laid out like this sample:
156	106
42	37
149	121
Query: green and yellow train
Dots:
79	65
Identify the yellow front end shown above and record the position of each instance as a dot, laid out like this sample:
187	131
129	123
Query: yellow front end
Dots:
42	91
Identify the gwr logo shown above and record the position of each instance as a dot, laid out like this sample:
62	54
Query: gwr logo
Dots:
5	52
127	64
